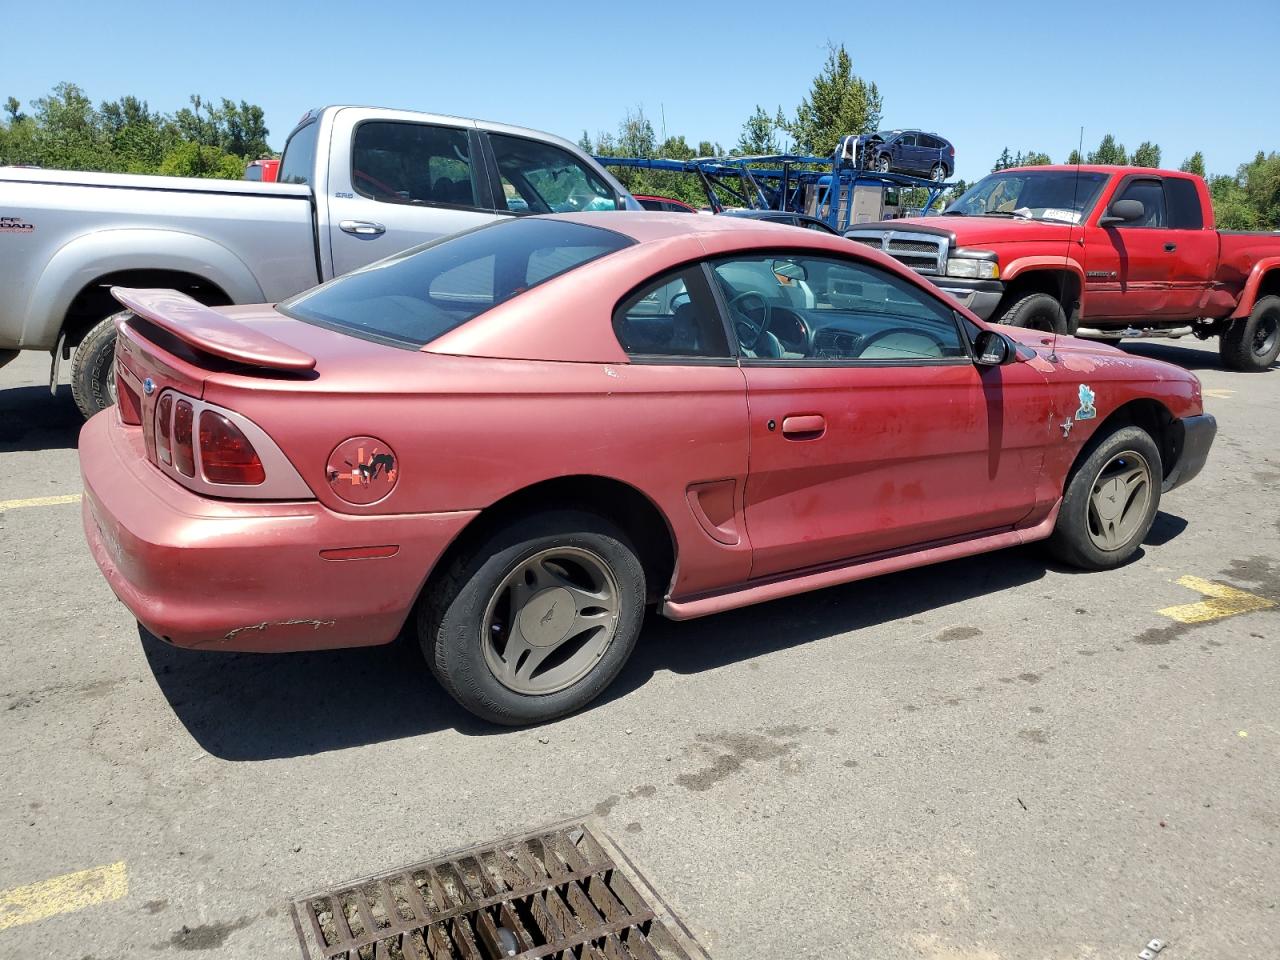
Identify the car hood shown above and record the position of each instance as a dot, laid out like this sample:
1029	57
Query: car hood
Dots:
980	231
1077	357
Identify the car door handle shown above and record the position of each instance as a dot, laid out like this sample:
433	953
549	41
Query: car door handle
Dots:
808	427
1170	247
362	228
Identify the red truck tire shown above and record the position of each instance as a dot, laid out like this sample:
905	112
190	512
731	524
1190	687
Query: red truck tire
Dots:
1036	311
1252	344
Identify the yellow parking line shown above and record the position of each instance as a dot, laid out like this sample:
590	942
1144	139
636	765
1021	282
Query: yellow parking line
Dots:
1219	394
64	894
1223	601
39	502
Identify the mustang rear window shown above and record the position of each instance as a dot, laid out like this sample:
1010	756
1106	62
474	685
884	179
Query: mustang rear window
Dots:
416	296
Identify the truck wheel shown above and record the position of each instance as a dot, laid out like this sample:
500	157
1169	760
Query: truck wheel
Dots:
1251	345
93	381
1110	501
1036	311
538	621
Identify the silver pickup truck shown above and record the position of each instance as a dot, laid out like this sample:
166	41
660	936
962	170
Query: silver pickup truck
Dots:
356	184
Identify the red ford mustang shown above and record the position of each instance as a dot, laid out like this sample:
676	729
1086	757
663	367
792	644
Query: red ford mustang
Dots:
523	435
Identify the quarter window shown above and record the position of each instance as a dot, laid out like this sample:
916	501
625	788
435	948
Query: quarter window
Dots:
539	178
672	316
299	158
413	163
1183	199
818	309
1151	195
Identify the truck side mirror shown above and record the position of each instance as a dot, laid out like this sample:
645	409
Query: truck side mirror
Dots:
994	349
1123	211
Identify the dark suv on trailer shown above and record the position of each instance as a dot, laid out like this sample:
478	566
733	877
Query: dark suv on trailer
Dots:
912	152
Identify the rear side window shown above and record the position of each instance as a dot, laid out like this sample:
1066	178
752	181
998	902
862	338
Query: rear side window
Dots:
416	296
672	316
299	158
414	163
1183	201
540	178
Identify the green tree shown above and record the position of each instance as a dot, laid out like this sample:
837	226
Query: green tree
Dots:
1251	199
1194	164
1074	158
839	103
1035	158
189	159
1003	162
635	135
1147	155
1109	152
760	133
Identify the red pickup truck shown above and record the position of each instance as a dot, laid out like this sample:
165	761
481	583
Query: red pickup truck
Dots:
1101	252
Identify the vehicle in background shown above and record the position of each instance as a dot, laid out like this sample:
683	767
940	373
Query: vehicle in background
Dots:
356	184
758	411
783	217
262	171
665	204
911	152
1104	252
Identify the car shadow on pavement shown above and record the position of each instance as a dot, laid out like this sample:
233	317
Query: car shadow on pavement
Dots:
244	706
30	419
1188	358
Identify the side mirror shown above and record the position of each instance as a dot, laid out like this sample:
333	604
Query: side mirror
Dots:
1123	211
789	270
994	349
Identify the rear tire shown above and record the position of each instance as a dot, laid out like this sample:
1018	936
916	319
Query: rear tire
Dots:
1036	311
1252	345
937	173
1104	516
93	382
468	619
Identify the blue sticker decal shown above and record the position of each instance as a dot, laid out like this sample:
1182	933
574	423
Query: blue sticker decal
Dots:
1086	411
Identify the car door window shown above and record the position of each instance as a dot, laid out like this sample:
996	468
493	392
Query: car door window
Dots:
1183	203
1151	194
820	310
540	178
413	163
672	317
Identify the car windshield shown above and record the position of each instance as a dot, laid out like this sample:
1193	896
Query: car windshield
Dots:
416	296
1063	196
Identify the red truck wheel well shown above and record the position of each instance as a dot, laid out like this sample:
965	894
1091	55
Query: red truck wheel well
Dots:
94	301
637	515
1153	417
1062	285
1270	285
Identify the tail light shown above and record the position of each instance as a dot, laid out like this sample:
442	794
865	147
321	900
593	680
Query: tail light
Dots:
226	455
184	457
164	417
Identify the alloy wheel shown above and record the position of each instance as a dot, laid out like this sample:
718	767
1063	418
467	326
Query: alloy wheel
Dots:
550	620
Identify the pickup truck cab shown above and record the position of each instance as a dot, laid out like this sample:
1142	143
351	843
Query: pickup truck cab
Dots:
1103	252
356	184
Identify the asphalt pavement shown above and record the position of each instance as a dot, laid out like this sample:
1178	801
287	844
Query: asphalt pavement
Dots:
989	759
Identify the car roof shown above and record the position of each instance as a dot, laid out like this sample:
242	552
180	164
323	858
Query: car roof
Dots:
654	225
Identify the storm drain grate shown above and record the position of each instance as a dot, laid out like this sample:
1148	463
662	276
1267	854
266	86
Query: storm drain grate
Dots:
559	893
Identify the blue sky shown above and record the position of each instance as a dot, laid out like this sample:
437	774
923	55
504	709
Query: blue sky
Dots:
1025	75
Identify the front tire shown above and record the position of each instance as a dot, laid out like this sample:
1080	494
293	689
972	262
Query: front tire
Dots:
1252	345
1036	311
1110	501
538	620
93	381
882	163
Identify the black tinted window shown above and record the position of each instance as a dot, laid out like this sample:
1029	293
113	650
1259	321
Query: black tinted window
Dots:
1151	195
539	178
1183	200
908	140
413	163
416	296
672	316
253	172
299	158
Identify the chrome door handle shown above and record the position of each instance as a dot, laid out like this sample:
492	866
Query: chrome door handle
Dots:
362	228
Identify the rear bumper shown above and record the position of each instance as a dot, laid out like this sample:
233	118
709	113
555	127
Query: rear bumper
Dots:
238	575
980	296
1197	438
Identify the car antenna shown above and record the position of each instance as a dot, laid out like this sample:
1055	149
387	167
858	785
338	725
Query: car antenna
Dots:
1071	229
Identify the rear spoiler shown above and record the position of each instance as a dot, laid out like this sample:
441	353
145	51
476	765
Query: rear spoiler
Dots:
209	331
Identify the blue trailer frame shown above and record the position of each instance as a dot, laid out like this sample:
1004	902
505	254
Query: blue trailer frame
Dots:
778	181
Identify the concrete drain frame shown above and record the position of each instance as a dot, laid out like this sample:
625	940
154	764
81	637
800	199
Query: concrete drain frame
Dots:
566	891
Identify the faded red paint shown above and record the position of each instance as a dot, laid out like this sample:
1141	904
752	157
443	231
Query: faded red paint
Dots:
912	464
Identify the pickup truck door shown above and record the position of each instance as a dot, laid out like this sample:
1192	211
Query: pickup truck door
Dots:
398	181
1193	260
874	430
1127	265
